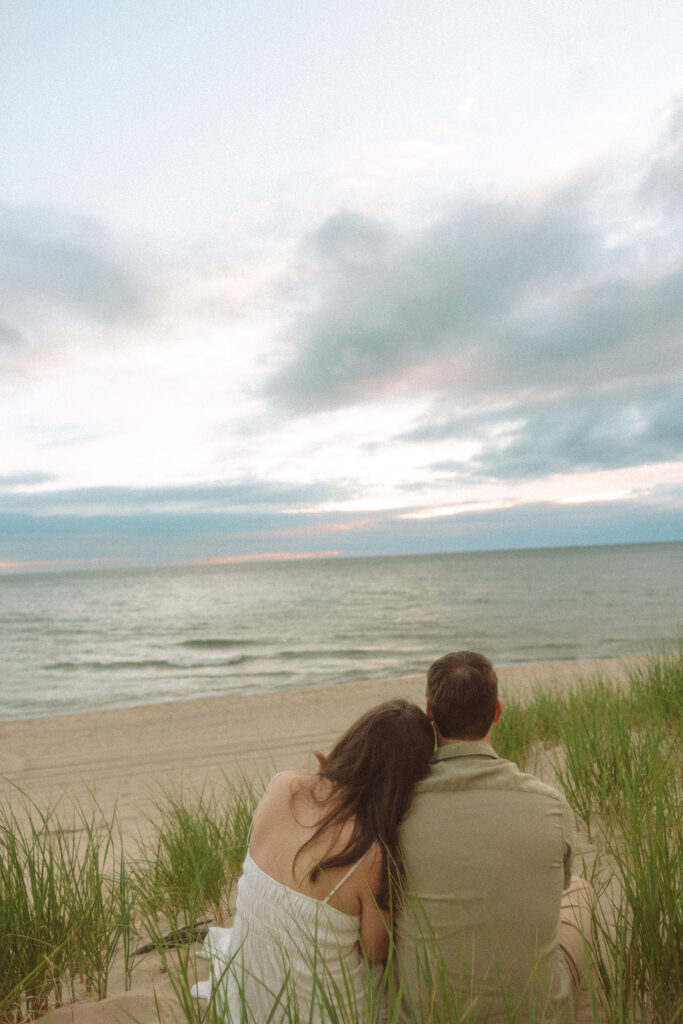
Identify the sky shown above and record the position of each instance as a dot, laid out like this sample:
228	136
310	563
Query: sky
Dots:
289	278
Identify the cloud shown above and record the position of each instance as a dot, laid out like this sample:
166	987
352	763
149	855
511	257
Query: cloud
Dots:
613	428
154	525
419	301
9	337
57	265
31	478
168	536
663	183
240	498
533	296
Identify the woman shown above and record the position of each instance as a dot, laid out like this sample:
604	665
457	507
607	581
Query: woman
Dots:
312	902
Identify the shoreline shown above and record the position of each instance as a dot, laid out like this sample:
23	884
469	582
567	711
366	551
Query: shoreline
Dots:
124	756
504	670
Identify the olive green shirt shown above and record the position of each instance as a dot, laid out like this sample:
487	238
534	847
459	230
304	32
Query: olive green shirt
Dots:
488	852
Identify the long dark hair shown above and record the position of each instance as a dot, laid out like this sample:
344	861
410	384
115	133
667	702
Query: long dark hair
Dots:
374	768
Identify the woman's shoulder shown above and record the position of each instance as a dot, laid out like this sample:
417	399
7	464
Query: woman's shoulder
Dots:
289	779
282	787
282	818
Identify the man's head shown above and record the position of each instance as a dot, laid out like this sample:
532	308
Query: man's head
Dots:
462	695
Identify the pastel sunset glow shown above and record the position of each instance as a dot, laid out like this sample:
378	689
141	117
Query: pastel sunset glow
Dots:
267	556
292	280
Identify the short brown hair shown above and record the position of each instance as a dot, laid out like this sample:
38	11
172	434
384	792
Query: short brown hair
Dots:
462	690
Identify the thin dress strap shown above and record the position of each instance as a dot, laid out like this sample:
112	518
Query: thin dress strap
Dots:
346	876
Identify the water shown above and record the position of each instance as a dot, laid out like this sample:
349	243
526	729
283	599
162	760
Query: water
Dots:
75	642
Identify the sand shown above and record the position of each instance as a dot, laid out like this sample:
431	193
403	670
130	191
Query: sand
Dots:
124	756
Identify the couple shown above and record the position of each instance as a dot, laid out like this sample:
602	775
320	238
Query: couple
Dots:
461	853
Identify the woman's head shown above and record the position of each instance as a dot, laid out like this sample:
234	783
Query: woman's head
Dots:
374	768
381	757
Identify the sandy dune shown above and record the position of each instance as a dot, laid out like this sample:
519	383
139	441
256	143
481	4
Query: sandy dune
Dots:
123	756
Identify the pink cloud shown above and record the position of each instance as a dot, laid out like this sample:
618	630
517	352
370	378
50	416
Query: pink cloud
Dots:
265	556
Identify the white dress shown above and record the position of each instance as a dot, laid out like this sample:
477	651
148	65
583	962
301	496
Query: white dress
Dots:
285	946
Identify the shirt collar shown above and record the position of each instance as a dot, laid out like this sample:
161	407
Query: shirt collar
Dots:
464	748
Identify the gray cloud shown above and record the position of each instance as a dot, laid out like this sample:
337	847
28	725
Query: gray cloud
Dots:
495	300
599	431
130	525
350	242
663	183
31	478
432	297
9	337
56	262
167	535
200	498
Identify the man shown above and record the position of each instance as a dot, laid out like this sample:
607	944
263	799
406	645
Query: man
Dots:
488	853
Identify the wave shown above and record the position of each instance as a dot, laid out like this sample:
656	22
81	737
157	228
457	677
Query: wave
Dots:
326	652
145	663
237	659
216	643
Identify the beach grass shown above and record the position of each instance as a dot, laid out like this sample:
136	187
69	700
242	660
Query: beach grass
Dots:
184	876
65	905
616	752
71	901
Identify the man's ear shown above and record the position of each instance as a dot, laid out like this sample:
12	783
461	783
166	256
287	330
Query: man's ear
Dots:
499	711
428	711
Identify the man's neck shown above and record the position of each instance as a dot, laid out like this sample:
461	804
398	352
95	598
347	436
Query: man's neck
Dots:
443	741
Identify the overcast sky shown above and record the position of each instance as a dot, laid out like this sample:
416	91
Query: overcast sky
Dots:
301	277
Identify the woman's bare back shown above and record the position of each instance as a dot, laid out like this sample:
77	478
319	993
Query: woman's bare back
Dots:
285	820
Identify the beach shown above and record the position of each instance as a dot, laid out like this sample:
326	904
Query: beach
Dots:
124	757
